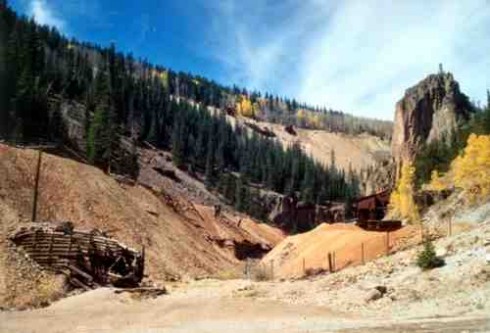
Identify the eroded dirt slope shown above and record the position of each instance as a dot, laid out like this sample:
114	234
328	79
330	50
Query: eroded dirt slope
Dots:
296	255
180	239
356	151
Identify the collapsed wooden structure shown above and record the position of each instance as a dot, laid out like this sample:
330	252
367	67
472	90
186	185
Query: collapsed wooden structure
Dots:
372	207
370	212
88	258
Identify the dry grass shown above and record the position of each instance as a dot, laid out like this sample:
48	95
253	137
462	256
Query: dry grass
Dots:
229	274
27	286
262	273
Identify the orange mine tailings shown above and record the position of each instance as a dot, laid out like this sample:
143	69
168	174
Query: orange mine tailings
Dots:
301	254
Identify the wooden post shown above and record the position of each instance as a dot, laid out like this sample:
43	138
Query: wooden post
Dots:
330	262
334	262
35	240
51	241
69	245
450	226
36	185
387	243
362	254
304	266
272	269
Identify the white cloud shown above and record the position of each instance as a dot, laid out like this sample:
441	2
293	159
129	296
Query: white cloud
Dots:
43	14
357	56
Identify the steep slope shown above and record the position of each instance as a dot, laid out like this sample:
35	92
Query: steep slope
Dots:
180	239
356	151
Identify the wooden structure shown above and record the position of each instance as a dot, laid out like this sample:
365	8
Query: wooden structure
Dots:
372	207
290	129
335	212
88	258
380	225
371	210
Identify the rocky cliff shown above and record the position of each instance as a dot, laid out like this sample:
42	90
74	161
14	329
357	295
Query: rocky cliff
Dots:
431	110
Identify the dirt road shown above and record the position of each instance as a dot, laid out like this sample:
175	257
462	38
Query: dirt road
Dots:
209	306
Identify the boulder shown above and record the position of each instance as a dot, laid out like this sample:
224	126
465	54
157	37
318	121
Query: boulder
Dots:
381	289
372	295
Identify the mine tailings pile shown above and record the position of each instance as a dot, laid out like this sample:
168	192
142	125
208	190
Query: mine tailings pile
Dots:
89	259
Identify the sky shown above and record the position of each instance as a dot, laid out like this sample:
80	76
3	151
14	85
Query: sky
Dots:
354	56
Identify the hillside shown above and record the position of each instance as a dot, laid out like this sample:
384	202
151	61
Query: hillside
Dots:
181	239
351	151
106	106
70	68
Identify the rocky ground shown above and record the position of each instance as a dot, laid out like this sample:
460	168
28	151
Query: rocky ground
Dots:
390	294
394	286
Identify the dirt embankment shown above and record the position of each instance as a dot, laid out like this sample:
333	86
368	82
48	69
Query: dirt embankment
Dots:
180	239
348	244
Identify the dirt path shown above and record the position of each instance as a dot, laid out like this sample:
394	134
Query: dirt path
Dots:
207	306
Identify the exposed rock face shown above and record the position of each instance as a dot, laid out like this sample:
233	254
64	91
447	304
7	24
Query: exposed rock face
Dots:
431	110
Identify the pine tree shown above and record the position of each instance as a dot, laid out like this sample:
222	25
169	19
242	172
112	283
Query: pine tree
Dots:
308	184
101	138
240	195
178	153
209	174
4	114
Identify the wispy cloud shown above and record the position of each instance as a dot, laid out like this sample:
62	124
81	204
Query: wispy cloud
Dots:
43	14
358	56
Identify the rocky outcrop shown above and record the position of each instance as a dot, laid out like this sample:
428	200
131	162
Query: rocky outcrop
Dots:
431	110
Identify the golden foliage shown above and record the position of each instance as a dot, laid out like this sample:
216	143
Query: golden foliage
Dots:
438	182
471	170
402	202
315	120
301	114
244	107
309	119
164	79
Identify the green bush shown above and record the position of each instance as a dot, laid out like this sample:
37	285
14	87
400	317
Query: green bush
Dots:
427	258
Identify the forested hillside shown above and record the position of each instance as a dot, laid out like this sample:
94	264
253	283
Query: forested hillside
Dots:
124	102
70	68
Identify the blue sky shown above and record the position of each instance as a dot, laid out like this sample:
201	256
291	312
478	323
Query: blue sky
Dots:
356	56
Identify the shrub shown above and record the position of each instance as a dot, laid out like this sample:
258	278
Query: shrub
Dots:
427	258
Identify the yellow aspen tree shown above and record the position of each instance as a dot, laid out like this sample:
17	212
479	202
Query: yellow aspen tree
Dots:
244	107
301	117
438	183
256	109
471	170
402	202
164	79
314	120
